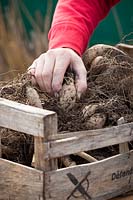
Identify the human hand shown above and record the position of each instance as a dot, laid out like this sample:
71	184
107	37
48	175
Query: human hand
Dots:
49	69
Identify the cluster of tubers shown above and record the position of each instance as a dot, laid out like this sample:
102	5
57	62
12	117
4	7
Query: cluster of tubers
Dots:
95	62
106	65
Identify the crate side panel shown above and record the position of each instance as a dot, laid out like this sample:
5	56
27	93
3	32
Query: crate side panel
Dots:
100	180
20	182
89	140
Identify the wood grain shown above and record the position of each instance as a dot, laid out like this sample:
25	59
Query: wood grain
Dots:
0	147
18	182
41	162
123	147
104	182
89	140
23	118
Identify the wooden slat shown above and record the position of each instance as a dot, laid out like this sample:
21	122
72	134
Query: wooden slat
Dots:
64	135
0	147
123	147
23	118
107	178
20	182
89	140
41	162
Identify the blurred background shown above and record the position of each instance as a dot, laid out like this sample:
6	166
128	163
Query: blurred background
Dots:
24	26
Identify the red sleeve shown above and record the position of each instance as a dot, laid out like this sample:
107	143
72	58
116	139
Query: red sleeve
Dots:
75	20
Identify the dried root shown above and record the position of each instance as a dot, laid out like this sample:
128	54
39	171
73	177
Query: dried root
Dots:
86	156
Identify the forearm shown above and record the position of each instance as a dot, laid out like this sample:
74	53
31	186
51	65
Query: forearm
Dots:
74	22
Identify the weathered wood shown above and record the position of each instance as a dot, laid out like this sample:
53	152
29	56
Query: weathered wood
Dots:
18	182
89	140
50	129
23	118
106	179
115	129
0	147
41	162
123	147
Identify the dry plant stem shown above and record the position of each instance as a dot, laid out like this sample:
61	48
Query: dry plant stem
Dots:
123	147
126	48
13	35
86	156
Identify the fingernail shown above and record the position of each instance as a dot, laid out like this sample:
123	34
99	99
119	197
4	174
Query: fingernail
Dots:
56	95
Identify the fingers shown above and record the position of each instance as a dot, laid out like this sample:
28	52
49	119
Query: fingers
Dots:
49	69
42	69
38	71
81	77
60	67
47	72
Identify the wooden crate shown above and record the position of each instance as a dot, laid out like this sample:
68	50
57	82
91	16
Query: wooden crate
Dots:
99	180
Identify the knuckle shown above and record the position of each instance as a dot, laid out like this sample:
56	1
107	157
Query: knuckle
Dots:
64	53
50	52
41	56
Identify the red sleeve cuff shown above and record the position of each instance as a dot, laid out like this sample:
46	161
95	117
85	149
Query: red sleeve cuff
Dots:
75	21
68	36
